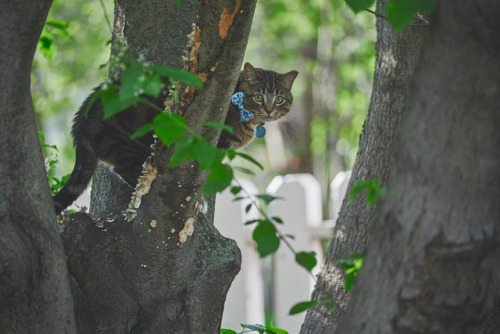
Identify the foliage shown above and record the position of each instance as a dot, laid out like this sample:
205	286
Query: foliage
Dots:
304	306
257	328
137	80
334	52
399	13
46	43
352	267
373	190
60	85
51	161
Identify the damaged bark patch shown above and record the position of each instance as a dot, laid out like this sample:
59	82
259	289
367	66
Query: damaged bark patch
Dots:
227	19
187	231
149	174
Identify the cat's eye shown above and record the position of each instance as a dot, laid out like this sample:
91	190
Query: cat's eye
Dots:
257	98
279	100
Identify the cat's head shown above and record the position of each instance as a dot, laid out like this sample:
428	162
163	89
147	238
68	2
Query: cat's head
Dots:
267	94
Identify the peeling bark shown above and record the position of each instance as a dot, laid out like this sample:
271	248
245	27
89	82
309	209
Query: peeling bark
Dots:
168	269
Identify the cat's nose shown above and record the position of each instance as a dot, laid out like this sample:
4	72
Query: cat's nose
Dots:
268	109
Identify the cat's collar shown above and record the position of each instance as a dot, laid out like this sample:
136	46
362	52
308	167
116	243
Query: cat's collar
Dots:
247	115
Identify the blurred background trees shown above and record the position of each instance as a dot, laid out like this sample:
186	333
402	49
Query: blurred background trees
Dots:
331	48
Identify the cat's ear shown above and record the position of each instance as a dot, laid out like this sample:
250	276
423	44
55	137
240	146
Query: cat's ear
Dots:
287	79
250	73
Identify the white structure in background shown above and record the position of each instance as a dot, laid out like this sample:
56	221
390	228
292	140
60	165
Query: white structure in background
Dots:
301	211
245	299
338	187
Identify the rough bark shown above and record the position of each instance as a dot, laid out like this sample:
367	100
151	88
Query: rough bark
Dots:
396	57
432	265
168	269
35	294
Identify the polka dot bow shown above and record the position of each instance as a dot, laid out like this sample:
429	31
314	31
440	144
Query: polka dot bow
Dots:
237	100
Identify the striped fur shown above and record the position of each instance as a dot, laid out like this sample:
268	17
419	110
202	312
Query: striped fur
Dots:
274	102
109	140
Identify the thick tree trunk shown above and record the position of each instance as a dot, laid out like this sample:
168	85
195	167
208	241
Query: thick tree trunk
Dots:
35	294
433	262
396	54
166	270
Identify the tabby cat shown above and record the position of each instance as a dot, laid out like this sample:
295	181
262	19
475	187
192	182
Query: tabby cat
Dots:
267	96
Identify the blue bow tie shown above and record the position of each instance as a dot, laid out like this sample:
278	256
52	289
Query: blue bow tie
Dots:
237	100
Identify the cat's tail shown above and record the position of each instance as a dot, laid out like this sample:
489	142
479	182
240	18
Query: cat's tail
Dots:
85	165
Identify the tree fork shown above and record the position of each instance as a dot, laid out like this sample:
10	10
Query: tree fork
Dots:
168	270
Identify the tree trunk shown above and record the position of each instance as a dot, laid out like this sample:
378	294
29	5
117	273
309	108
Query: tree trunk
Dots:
432	265
167	269
396	57
35	294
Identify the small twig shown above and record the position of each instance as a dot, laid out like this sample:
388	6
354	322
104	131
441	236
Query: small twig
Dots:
106	16
420	16
280	235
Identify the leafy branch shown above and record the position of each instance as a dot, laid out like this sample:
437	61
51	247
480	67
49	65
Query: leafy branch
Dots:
136	83
399	13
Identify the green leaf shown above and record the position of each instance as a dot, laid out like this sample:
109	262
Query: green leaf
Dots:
58	24
219	179
152	85
170	127
219	126
41	136
427	5
183	150
46	45
265	236
349	283
244	170
356	255
258	328
206	154
235	190
184	77
59	27
113	104
267	198
345	264
373	190
352	268
306	259
253	221
359	5
131	83
227	331
275	330
249	158
278	220
326	302
230	153
302	306
400	13
248	207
